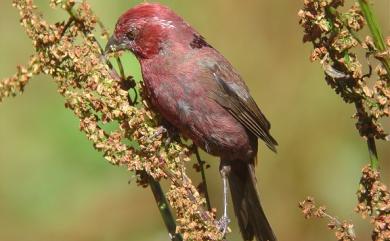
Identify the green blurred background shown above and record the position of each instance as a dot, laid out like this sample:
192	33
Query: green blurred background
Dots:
54	186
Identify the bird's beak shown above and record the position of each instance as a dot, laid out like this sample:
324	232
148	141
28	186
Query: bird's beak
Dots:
114	45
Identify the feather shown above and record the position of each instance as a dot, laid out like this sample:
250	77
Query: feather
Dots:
241	105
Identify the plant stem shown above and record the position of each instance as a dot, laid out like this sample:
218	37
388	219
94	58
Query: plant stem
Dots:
155	186
165	212
372	153
201	165
121	69
379	42
376	33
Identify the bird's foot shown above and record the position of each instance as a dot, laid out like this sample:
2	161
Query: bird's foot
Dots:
172	134
160	130
223	225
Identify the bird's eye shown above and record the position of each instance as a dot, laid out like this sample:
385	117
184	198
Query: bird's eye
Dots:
130	35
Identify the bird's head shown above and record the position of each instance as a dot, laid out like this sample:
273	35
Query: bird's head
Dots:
144	30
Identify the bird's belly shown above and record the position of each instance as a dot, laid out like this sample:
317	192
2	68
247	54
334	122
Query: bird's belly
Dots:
204	121
219	135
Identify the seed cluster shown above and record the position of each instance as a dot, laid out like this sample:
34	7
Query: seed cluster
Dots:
374	201
70	53
334	35
337	46
344	231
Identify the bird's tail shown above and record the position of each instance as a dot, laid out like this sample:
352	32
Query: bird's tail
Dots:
247	207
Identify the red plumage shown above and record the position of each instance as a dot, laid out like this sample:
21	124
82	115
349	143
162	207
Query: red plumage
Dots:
198	91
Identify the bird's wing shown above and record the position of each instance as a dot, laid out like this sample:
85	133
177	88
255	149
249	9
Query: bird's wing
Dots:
234	96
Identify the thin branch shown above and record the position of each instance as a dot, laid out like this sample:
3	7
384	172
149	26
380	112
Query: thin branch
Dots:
374	160
373	155
165	212
67	25
204	182
121	69
379	42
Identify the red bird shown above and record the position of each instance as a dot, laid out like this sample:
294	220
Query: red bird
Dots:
199	92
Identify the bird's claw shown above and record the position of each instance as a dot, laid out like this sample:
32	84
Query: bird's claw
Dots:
171	134
223	224
160	130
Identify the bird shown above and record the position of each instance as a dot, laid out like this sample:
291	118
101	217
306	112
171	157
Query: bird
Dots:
197	91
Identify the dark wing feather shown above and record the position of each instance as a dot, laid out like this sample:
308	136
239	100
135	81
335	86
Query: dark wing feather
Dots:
236	99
